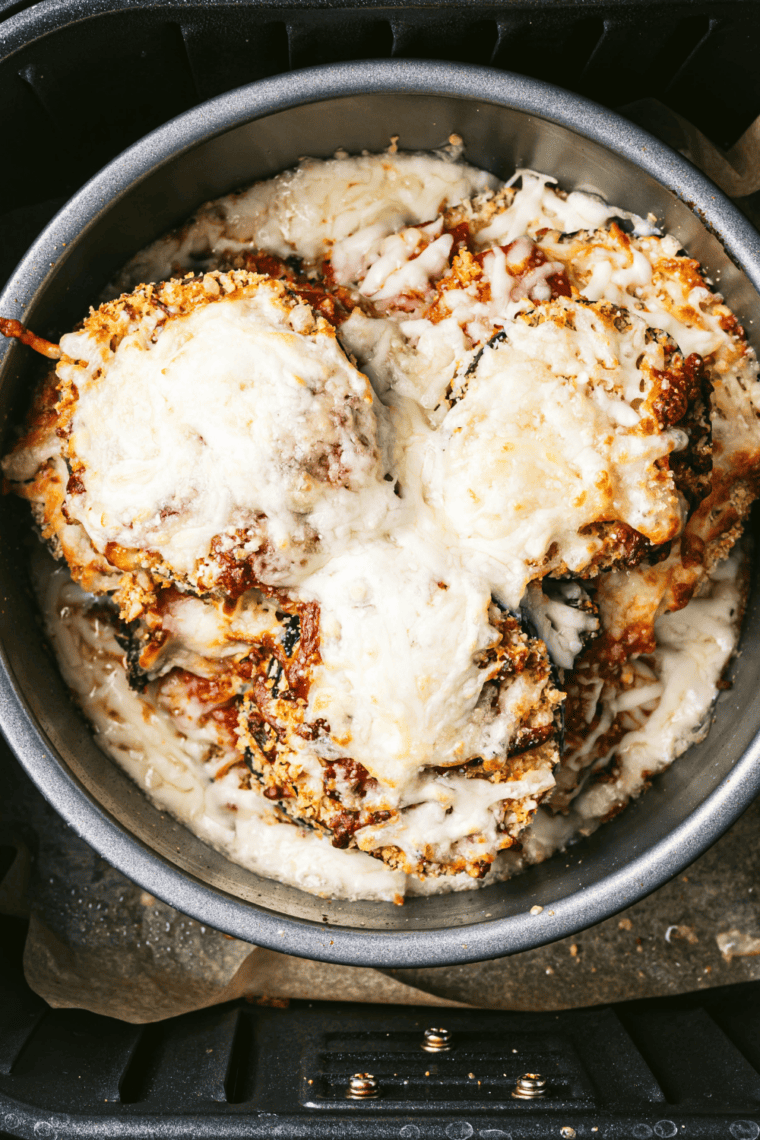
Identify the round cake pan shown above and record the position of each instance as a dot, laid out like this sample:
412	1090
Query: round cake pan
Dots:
254	132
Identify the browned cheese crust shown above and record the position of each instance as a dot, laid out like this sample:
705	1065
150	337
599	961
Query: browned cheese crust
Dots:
718	477
44	468
272	714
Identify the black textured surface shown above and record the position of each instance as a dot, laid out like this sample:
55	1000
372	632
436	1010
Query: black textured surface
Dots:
685	1066
90	77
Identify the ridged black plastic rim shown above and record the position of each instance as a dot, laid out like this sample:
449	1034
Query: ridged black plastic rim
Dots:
107	836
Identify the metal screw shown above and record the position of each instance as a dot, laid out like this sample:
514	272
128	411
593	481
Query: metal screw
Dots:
362	1086
529	1086
436	1041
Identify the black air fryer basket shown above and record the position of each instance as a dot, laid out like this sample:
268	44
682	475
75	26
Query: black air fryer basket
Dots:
79	81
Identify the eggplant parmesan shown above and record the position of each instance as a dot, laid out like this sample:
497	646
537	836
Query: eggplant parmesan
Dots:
396	512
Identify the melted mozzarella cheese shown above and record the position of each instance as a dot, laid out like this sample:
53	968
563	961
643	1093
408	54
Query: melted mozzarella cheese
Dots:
402	628
537	206
230	415
174	761
694	646
449	814
336	208
539	444
560	619
545	442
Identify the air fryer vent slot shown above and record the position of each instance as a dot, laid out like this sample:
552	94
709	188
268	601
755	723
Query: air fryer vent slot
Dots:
149	63
186	1061
261	49
717	1070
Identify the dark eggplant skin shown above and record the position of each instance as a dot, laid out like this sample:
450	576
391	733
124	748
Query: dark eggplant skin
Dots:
527	625
128	638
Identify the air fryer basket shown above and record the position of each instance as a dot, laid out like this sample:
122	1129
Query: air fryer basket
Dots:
506	121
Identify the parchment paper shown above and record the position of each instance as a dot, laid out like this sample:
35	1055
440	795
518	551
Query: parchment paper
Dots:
736	171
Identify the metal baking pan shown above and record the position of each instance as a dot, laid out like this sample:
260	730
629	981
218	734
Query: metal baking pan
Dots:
254	132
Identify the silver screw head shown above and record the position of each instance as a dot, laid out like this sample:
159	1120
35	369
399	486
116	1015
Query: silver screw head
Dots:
362	1086
529	1086
436	1040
